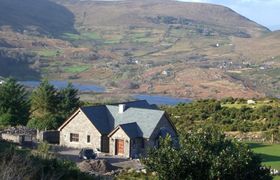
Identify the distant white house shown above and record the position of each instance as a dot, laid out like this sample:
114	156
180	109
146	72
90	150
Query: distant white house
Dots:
166	72
2	82
250	101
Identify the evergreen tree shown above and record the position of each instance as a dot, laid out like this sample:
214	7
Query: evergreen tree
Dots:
69	100
45	107
44	100
14	103
50	107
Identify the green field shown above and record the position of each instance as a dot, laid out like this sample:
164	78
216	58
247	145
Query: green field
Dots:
48	52
82	36
270	153
257	105
76	69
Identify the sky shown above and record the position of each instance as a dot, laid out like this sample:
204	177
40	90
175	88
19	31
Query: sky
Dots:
264	12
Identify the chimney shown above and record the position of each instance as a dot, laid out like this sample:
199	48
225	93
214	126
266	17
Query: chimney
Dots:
121	108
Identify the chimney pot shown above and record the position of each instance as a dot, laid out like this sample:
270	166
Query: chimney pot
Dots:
121	108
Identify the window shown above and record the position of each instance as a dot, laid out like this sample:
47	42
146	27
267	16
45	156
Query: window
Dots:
74	137
88	138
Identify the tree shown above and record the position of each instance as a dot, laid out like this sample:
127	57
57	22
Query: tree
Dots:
69	100
205	154
50	106
14	103
44	107
44	100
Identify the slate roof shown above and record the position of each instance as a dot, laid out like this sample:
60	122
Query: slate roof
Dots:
98	116
132	130
147	119
106	117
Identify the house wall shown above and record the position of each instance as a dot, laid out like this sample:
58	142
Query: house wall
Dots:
119	134
82	126
163	123
137	147
105	144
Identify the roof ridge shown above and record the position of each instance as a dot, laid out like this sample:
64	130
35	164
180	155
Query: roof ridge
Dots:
126	102
141	108
93	106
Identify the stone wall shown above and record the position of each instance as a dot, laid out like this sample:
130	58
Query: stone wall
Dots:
12	138
119	134
17	138
82	126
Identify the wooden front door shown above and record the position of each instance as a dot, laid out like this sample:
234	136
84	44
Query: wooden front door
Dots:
119	147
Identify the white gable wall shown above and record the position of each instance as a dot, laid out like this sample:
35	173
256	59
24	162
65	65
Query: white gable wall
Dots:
82	126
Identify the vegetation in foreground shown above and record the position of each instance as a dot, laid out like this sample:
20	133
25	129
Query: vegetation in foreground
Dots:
19	164
205	154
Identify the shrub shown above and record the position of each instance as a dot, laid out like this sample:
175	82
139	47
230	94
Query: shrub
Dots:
205	154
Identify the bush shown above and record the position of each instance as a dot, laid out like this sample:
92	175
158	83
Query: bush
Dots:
205	154
16	165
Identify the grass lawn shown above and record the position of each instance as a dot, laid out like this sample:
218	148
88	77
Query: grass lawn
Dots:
270	153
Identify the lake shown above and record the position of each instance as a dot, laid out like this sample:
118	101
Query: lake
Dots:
152	99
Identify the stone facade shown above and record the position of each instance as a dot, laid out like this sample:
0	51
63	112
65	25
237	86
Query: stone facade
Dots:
80	125
121	135
87	136
136	147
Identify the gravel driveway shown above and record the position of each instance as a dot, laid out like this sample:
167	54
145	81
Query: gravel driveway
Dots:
73	155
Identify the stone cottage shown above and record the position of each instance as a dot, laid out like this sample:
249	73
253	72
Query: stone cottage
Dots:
125	129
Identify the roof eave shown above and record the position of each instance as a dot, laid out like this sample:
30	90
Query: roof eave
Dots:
69	119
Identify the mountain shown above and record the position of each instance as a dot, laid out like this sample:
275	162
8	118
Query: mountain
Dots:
43	16
193	50
152	13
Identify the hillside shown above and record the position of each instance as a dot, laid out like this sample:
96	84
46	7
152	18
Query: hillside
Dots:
192	50
155	13
42	16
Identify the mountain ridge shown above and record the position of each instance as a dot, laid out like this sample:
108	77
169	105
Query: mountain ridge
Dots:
191	50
